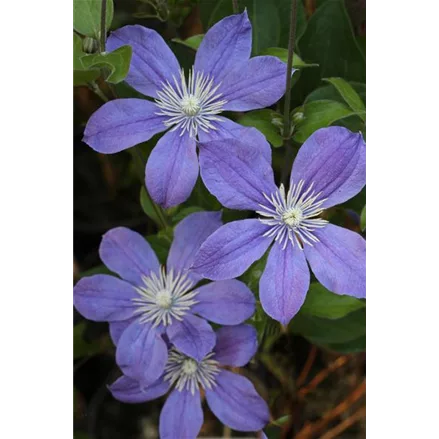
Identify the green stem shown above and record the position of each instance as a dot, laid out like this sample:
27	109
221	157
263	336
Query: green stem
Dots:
235	6
95	88
103	34
158	210
292	37
287	117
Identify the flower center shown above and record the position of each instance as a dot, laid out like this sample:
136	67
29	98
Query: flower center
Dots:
190	105
164	298
188	374
293	217
189	366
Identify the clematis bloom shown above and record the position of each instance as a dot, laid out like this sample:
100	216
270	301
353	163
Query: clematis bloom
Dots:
150	302
329	169
223	78
231	397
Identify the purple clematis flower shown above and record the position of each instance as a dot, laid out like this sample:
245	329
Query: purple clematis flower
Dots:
222	78
329	169
151	301
231	397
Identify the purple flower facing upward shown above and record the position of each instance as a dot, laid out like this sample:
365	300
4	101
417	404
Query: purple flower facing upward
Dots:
329	169
231	397
151	302
222	78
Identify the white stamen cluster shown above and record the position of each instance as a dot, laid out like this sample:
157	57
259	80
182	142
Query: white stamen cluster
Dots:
190	106
293	215
188	374
164	297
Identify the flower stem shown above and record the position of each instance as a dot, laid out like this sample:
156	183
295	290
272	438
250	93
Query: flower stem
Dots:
291	41
95	88
287	117
235	6
103	33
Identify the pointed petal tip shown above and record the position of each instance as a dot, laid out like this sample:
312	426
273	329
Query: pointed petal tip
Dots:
219	213
167	204
243	16
284	320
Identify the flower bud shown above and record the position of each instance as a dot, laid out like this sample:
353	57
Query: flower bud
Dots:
89	45
297	117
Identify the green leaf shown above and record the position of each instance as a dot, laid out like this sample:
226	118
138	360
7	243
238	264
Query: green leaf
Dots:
326	331
265	21
118	62
82	348
263	121
148	207
192	42
282	54
81	75
329	40
284	9
322	303
320	114
330	92
183	213
282	420
349	347
213	11
160	246
363	219
166	234
349	95
77	52
87	16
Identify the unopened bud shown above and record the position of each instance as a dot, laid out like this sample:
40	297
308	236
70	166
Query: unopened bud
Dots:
298	117
277	122
89	45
